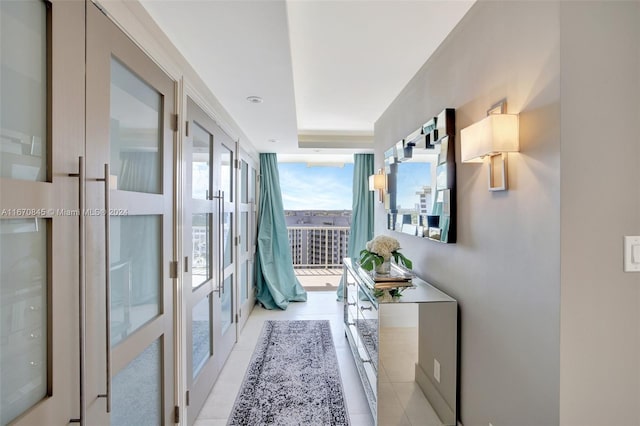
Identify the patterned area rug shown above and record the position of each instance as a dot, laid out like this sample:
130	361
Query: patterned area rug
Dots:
293	378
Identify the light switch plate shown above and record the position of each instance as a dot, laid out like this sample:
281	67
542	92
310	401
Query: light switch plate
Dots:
632	253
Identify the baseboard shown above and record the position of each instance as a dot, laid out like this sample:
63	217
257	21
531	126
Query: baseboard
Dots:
440	406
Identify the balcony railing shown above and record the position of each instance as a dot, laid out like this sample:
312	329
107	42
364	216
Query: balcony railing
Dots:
321	247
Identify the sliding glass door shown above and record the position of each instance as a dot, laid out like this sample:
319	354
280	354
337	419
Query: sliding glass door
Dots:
130	290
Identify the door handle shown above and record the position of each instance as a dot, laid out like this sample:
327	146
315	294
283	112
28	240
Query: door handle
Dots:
220	270
222	241
107	286
81	175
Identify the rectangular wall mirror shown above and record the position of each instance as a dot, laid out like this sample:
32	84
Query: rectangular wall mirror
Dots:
421	181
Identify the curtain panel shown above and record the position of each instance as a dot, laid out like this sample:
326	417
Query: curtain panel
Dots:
362	209
276	281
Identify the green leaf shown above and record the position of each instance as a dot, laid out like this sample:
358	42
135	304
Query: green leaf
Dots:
406	262
369	260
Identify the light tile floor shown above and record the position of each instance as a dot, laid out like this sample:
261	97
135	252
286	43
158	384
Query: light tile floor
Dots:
400	399
319	305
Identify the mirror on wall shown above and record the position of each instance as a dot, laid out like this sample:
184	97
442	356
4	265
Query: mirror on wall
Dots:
421	181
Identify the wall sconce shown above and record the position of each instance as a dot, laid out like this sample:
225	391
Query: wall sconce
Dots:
492	138
378	182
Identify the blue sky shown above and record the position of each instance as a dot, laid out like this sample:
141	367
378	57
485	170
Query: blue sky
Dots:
411	178
317	187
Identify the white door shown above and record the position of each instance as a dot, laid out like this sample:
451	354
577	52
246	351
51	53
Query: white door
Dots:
247	234
41	141
201	273
130	239
224	180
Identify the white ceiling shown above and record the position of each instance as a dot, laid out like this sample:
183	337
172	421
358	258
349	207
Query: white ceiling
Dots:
325	69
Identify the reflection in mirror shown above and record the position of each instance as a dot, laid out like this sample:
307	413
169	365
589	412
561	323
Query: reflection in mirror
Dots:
414	191
418	354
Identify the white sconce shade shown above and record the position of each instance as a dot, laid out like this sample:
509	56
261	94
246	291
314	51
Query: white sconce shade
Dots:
491	137
378	182
495	134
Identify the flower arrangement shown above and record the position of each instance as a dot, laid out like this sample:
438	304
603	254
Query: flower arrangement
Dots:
380	250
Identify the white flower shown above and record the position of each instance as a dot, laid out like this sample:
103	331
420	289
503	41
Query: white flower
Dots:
384	246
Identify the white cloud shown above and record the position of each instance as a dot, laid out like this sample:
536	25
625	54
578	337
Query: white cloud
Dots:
315	189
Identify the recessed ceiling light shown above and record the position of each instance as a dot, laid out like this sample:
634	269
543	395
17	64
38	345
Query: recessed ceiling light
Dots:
255	99
273	140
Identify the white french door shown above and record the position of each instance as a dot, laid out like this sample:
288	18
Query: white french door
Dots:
247	233
224	160
208	276
200	277
41	141
130	289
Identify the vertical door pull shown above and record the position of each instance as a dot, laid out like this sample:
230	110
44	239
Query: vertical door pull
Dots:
222	241
81	175
107	285
220	271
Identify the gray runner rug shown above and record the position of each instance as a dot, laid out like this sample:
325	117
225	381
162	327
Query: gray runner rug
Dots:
293	378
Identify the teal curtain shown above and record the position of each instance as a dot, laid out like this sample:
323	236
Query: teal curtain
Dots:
361	209
276	281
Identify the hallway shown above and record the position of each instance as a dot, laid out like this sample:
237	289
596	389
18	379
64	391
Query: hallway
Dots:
319	306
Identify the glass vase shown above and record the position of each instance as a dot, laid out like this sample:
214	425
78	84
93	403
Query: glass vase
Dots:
384	268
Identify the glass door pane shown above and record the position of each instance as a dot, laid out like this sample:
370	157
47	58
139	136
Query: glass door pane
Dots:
201	163
137	390
226	173
23	315
23	85
201	243
135	132
201	334
244	182
135	273
227	303
243	283
227	238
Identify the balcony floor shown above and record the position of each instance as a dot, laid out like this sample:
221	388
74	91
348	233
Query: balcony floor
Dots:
319	279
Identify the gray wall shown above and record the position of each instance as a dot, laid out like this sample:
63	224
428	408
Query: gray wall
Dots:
550	323
600	93
505	268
